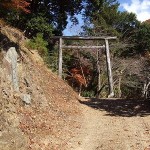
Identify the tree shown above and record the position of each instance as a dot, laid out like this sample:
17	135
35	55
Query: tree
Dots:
39	24
101	15
18	5
56	13
142	37
102	18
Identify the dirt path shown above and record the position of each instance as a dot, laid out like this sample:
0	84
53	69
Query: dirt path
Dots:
107	130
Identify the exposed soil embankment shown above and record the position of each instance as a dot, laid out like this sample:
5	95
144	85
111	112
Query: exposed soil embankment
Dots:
43	113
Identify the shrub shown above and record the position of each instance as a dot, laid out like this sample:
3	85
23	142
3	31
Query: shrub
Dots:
88	93
39	44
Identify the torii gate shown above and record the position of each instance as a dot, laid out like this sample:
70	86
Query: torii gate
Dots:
106	39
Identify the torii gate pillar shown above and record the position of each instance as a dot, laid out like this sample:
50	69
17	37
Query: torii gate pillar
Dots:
109	70
60	58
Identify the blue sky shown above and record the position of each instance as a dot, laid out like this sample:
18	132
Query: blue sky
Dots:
140	7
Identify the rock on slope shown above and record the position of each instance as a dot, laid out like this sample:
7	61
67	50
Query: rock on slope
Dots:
50	120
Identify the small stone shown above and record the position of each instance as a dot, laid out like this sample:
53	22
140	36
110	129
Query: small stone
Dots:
137	107
37	88
79	142
147	148
26	98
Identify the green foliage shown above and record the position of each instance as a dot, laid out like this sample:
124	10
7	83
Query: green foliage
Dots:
54	16
39	24
107	20
12	18
142	38
39	44
126	24
87	93
52	59
103	17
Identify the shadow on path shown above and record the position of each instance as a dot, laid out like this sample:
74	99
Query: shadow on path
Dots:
120	107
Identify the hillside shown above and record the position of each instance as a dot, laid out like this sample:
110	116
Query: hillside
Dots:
43	113
39	111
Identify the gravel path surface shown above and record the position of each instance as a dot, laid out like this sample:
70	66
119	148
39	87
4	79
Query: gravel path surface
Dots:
104	129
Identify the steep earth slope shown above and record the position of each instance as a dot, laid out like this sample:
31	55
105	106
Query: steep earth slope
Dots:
43	113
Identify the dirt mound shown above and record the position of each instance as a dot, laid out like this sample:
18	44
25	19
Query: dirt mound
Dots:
44	113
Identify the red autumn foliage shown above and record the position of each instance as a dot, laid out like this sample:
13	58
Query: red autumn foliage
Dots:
79	74
80	79
21	5
79	71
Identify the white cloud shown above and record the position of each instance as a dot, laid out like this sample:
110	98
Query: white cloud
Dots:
140	7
